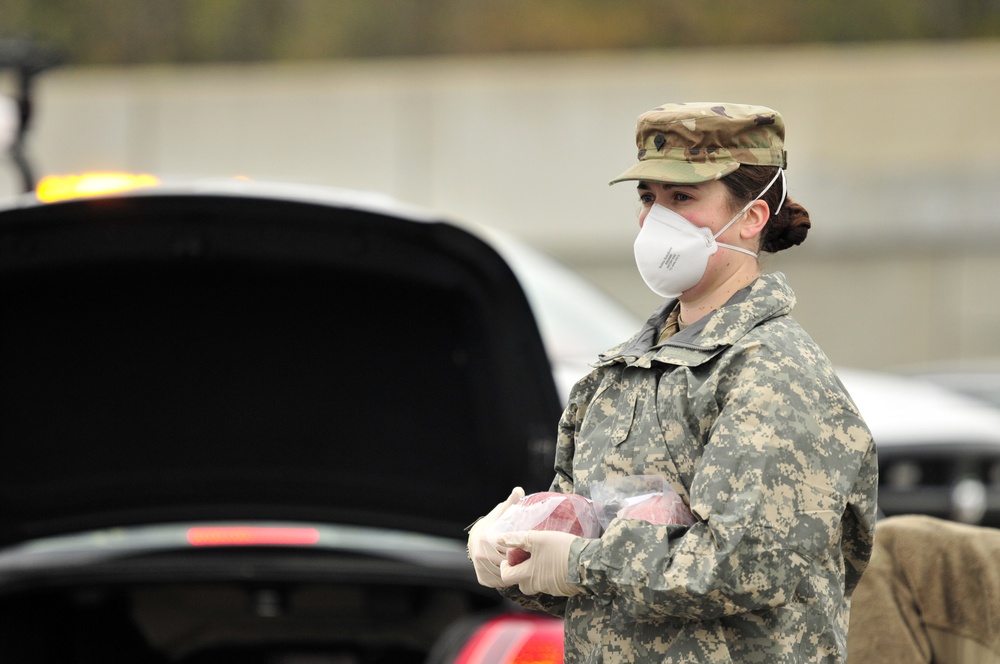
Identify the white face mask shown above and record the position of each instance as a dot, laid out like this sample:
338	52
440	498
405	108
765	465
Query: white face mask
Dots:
672	253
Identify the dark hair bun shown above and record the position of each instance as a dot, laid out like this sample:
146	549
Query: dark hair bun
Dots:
786	229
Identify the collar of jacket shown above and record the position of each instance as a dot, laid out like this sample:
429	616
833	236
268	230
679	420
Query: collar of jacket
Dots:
767	297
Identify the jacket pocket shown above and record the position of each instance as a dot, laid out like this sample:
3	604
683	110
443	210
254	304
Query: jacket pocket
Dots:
622	425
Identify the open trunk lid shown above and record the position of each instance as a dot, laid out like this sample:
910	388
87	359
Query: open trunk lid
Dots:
181	356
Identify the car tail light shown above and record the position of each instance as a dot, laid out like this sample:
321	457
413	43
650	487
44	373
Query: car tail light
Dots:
251	536
515	640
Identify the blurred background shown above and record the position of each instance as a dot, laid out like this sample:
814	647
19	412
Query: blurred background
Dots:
515	114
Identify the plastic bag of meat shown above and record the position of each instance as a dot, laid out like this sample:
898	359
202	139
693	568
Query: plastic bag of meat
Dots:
646	497
548	510
659	508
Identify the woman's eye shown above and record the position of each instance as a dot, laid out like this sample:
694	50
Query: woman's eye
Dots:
681	197
646	199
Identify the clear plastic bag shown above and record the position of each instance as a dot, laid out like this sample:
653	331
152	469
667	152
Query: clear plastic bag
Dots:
646	497
548	510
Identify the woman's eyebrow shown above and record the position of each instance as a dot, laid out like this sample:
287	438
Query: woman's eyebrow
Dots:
643	186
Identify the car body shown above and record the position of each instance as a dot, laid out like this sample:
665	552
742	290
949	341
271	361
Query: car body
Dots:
577	320
251	423
978	378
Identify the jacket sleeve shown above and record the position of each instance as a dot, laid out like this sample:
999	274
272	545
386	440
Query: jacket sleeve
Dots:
785	457
859	521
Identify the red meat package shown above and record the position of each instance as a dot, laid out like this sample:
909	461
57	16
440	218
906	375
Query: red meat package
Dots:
646	497
548	510
658	508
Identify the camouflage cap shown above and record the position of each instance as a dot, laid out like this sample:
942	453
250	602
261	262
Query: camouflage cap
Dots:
698	142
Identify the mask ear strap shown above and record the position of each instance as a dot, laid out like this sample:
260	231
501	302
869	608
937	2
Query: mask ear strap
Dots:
781	174
784	191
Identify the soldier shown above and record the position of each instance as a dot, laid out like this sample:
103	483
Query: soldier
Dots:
725	396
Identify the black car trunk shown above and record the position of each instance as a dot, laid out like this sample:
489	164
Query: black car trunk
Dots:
175	358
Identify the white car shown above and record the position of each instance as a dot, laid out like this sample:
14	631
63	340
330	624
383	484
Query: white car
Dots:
577	320
939	450
978	378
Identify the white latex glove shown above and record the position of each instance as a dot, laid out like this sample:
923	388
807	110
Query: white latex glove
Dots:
485	554
545	571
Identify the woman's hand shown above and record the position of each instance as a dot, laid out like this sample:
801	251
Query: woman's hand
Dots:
484	552
545	571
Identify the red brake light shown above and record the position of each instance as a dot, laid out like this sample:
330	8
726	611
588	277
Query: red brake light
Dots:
515	640
251	536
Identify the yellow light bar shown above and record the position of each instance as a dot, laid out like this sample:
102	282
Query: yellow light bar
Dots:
62	187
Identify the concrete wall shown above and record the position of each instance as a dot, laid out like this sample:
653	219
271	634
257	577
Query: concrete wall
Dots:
895	150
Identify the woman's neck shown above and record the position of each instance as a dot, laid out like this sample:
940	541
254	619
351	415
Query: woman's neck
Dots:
700	305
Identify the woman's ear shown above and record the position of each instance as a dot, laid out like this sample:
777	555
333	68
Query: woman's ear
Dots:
754	219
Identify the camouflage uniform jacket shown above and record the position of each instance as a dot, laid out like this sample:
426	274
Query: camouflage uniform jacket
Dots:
744	416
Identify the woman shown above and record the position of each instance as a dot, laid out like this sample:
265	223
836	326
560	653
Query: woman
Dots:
727	398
